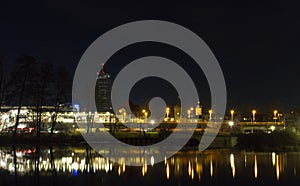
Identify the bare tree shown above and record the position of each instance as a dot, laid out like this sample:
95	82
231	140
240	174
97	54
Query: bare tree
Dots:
2	82
21	84
63	88
45	78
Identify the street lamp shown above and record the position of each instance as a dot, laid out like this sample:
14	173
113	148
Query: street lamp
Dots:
275	116
143	111
189	113
124	116
167	111
253	114
232	112
210	113
123	113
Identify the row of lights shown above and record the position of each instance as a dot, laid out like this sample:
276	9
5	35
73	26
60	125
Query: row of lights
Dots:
276	114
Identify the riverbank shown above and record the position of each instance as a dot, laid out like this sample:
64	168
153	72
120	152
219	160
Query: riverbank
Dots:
280	141
250	142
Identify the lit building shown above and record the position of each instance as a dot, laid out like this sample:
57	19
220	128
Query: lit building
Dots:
103	92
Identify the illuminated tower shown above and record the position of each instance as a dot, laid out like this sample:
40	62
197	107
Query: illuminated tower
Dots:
103	91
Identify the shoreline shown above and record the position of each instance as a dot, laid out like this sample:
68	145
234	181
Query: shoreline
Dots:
262	142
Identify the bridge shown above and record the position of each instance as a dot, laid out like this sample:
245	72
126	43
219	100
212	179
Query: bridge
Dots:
226	127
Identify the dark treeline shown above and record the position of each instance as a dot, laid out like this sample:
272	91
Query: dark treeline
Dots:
34	83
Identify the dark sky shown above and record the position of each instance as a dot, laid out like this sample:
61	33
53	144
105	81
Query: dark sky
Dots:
255	43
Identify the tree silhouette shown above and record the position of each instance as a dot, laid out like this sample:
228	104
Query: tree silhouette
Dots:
22	84
45	80
63	84
1	83
36	84
3	79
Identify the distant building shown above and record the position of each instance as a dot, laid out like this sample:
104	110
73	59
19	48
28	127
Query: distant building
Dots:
103	92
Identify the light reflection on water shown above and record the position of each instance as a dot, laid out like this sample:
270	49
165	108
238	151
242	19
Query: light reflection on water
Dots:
213	167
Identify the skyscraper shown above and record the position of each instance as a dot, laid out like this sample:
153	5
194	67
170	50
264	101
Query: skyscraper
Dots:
103	92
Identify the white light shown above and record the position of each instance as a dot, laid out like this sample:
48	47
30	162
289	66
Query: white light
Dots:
231	123
69	160
19	154
272	128
152	160
75	166
152	122
68	120
22	126
106	167
273	158
3	164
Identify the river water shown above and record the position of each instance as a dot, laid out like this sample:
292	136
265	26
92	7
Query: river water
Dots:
42	165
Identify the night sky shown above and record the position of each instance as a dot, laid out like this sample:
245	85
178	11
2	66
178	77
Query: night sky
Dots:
256	44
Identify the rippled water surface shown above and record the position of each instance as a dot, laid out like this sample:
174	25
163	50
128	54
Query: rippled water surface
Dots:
41	165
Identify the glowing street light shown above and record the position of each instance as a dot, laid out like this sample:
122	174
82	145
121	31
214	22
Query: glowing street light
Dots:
232	112
275	116
124	116
145	114
167	111
210	113
253	114
189	113
192	109
123	113
144	111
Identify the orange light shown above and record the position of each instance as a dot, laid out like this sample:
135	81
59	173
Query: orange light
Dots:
232	111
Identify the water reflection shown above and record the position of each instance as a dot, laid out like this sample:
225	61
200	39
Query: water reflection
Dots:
211	168
232	164
168	171
208	167
255	167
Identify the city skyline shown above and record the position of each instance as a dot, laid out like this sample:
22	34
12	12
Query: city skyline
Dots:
140	93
